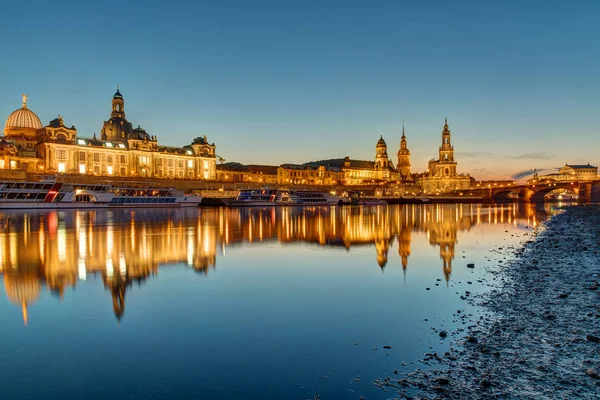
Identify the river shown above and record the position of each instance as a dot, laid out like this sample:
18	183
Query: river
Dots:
222	303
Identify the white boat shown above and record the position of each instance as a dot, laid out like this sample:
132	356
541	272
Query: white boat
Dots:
280	197
259	198
52	195
310	197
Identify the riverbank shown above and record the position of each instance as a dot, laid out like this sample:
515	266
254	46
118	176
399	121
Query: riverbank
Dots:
539	333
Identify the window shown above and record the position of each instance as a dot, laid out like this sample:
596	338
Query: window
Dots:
159	162
190	163
122	158
123	171
96	157
2	164
109	170
82	168
109	159
145	160
61	154
82	156
205	164
61	167
180	174
205	174
180	163
170	162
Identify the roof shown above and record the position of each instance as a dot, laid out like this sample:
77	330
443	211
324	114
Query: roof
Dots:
580	166
304	167
339	163
252	168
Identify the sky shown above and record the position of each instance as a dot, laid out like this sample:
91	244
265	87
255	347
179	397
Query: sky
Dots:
271	82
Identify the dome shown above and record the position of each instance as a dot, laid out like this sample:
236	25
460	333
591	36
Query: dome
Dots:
23	118
139	134
118	95
381	142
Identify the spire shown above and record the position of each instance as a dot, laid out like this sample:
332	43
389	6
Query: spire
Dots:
403	137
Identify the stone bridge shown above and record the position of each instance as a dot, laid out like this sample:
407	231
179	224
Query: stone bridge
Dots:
535	192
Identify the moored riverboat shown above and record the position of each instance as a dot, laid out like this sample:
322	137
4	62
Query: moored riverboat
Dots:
54	195
280	197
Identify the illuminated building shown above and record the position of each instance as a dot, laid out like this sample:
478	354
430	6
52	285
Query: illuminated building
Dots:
121	150
345	170
441	175
570	173
309	174
236	172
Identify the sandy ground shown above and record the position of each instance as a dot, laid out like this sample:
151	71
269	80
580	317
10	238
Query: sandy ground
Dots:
539	336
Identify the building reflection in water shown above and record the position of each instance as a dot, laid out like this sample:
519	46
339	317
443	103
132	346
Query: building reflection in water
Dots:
58	249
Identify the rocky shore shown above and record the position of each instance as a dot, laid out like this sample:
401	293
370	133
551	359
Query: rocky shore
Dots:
539	336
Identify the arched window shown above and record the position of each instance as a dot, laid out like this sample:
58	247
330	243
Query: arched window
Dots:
447	171
61	138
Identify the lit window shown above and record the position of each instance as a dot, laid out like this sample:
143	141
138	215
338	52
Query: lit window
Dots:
1	164
61	154
61	167
109	170
189	152
205	164
121	146
205	174
13	165
108	144
190	163
82	168
81	142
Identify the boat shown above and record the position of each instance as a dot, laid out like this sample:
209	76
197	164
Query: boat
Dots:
52	195
259	197
280	197
313	197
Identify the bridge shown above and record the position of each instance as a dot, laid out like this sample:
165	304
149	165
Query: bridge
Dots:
536	191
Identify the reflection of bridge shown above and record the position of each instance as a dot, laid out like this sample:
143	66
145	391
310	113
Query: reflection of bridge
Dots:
534	192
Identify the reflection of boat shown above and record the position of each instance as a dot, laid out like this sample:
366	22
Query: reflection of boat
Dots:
280	197
561	197
51	195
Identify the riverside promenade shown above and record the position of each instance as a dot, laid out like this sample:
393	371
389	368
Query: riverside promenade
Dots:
539	333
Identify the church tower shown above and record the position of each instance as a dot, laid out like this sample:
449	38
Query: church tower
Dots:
381	158
403	158
446	149
117	128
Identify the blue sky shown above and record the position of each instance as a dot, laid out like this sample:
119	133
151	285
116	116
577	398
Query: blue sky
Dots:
293	81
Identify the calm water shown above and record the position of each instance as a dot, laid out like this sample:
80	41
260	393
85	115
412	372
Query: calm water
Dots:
235	303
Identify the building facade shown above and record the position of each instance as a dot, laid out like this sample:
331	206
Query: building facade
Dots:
121	150
236	172
441	175
570	173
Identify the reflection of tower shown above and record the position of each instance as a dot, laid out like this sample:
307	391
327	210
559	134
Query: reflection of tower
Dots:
404	247
22	290
443	233
403	158
118	288
382	246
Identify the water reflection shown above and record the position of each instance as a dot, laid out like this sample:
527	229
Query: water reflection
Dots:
58	249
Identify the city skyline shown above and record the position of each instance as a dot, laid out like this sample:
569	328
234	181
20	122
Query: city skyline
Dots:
272	83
